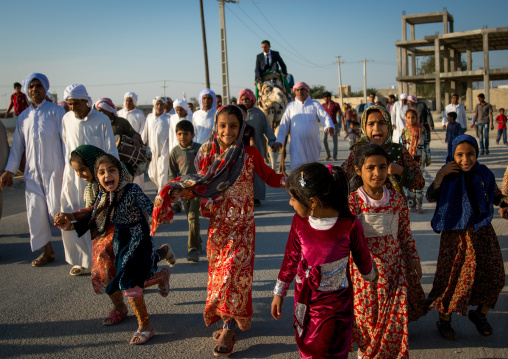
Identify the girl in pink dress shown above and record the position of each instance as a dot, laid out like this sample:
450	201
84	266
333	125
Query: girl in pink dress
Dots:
383	311
323	234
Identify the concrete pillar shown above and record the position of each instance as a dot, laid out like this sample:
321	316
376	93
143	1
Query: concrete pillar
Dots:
486	69
469	64
405	68
445	23
446	69
453	67
437	75
412	31
399	69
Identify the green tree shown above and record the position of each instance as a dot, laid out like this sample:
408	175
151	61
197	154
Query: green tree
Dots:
360	93
316	91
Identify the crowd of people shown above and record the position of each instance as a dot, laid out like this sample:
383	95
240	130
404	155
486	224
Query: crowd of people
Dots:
350	247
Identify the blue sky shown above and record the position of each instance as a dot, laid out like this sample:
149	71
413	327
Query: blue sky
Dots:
113	47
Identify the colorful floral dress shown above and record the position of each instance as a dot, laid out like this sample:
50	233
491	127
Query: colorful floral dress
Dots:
230	248
319	258
384	310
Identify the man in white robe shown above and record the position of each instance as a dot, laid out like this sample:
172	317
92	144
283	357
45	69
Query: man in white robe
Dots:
39	133
203	118
301	116
182	112
137	119
82	125
398	116
168	108
156	136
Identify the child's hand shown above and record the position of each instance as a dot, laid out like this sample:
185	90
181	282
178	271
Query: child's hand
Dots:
395	169
276	306
450	167
503	212
158	201
416	266
64	221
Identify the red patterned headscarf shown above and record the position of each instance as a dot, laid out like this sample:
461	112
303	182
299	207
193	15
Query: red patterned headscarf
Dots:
249	94
106	104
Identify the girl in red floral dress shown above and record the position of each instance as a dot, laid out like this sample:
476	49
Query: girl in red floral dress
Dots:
383	311
226	176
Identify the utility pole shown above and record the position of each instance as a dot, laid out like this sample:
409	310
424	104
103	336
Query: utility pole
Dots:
224	52
164	87
205	52
365	80
340	83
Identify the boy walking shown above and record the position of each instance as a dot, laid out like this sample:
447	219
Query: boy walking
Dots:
454	128
181	162
19	101
501	126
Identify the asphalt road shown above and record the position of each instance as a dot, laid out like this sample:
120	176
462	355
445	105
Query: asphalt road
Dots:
46	313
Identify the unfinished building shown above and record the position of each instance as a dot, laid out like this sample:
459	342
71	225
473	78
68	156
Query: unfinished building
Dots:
448	46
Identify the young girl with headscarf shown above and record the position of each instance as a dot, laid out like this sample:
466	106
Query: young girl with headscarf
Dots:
414	137
470	268
125	206
226	176
403	170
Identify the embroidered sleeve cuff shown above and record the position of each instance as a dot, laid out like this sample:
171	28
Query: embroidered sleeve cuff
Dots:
281	288
372	274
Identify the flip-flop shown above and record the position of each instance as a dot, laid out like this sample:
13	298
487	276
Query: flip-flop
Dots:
229	345
144	336
481	323
116	315
81	270
42	260
216	334
164	286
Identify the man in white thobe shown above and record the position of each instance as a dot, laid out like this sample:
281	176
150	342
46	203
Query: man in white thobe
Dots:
398	115
156	136
168	108
82	125
301	116
39	133
203	118
137	119
459	109
182	112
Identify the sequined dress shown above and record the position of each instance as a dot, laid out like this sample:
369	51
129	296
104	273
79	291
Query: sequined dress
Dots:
230	248
319	259
384	310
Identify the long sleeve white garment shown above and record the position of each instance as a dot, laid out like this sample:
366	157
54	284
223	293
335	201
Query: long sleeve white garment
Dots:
156	136
135	117
39	133
398	116
95	129
302	120
173	120
203	124
461	114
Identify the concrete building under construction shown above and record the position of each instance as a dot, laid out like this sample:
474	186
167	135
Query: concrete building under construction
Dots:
448	46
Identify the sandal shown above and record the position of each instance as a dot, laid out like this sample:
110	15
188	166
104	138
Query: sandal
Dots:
224	347
77	270
446	330
216	334
164	286
481	323
116	316
42	260
166	252
144	336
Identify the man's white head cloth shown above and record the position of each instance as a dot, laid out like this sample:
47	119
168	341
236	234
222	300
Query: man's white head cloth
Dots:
77	92
183	104
42	78
403	96
159	98
133	96
207	92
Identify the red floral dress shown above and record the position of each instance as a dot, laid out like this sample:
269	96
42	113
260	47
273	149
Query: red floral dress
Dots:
230	248
384	309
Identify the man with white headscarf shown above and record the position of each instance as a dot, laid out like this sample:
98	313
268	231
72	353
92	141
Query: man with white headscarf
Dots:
156	136
302	116
131	113
169	109
39	133
203	118
137	119
398	115
82	125
182	112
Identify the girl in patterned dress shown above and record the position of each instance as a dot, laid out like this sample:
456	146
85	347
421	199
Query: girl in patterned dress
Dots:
403	170
470	268
124	205
383	310
226	178
323	233
415	138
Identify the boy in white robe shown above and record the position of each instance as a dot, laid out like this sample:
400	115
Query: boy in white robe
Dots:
39	133
156	136
182	112
82	125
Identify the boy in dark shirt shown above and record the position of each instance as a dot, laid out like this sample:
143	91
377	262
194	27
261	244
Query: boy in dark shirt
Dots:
181	162
454	128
